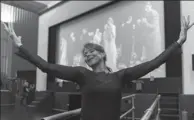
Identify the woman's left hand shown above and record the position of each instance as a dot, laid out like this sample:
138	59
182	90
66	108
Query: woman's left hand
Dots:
185	26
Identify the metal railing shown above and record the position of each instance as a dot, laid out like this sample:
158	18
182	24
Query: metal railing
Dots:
150	110
78	111
64	114
132	109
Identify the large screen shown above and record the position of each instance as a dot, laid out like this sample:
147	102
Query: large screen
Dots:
131	32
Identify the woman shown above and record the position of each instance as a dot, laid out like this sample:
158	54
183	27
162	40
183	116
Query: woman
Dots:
101	89
25	93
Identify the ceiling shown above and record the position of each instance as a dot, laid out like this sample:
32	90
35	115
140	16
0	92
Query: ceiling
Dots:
33	6
48	3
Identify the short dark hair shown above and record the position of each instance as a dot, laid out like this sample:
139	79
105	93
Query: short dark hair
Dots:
96	47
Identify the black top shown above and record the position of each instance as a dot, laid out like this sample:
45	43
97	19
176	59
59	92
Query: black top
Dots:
101	92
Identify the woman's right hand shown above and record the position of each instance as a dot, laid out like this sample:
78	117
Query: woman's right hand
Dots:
10	31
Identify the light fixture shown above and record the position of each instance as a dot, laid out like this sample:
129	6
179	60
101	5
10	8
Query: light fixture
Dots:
6	13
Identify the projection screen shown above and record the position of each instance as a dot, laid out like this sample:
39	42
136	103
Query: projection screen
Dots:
132	32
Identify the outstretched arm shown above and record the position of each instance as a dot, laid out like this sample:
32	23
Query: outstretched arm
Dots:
140	70
74	74
144	68
63	72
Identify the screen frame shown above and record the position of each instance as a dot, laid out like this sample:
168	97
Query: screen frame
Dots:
172	16
192	62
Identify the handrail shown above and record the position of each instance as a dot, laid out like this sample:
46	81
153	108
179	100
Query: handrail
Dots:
61	115
129	96
130	110
77	111
149	111
124	114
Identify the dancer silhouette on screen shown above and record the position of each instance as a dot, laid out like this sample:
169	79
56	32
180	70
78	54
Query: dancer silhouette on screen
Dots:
109	37
97	37
125	31
100	88
152	34
63	52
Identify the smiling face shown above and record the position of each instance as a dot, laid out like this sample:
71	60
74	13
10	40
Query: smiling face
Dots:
93	54
92	57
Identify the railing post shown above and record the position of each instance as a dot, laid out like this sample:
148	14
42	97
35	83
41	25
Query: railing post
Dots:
133	106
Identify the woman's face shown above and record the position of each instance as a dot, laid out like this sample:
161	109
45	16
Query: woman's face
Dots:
92	57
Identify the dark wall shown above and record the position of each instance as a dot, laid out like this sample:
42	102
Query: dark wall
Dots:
159	85
26	25
187	103
29	75
172	29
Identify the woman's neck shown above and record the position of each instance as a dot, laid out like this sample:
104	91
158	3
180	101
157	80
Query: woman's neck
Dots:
101	67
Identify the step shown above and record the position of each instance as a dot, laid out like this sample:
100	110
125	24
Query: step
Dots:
169	117
39	98
173	105
169	102
36	102
169	111
31	106
169	105
169	99
169	94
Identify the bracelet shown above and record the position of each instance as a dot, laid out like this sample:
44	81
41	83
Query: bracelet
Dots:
180	41
180	44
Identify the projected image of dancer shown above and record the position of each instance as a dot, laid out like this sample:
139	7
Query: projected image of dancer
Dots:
133	57
152	35
63	52
129	20
125	44
109	37
72	36
97	37
100	88
83	33
139	41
